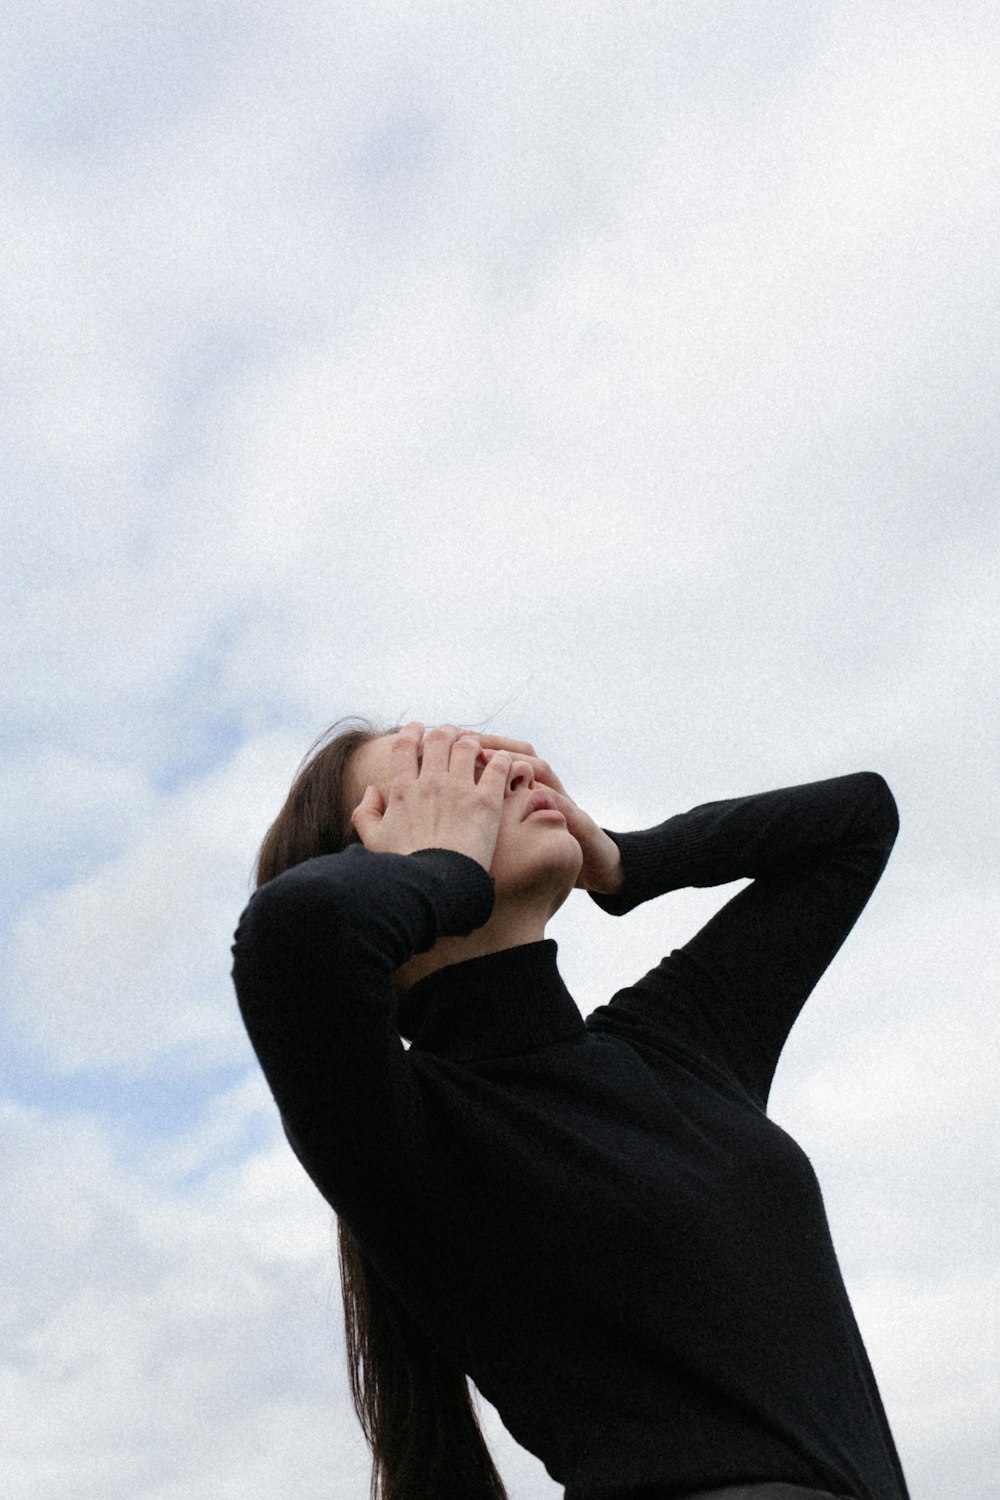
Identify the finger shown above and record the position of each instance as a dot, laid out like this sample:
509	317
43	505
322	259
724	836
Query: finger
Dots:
404	755
497	742
545	773
541	770
494	777
464	755
437	747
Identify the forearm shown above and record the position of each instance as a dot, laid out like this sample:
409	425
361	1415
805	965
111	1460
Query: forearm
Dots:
315	950
745	837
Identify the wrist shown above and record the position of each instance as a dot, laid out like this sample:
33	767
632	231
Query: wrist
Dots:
613	877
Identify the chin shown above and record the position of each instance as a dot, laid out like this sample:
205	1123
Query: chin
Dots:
548	863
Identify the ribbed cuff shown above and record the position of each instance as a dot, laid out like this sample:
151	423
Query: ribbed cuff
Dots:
464	893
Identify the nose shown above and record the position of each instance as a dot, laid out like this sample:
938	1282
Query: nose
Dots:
521	774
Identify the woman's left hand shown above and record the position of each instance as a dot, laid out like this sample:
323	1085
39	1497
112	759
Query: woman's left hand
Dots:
601	870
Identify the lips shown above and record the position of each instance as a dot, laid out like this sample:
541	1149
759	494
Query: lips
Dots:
539	801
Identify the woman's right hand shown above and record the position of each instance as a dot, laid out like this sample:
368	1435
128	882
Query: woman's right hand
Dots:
435	803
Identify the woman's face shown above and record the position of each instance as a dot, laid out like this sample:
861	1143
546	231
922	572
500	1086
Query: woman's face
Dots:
533	850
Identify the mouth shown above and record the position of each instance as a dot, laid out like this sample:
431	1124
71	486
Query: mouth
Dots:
541	802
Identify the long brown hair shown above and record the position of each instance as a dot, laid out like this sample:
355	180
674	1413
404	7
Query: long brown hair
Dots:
416	1409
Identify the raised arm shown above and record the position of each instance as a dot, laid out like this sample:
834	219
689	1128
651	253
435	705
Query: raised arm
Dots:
312	963
814	853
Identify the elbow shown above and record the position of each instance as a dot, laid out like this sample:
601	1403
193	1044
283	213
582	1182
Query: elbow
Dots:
883	811
259	924
284	919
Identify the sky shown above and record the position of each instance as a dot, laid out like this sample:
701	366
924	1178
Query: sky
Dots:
618	376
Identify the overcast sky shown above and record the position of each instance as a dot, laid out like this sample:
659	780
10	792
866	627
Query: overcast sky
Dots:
624	374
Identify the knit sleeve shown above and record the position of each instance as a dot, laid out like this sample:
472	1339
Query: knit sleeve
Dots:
312	962
814	854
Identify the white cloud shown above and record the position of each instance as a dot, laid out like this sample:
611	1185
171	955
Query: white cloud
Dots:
62	814
132	962
164	1341
933	1343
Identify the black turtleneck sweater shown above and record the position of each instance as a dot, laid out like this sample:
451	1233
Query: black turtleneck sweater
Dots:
595	1219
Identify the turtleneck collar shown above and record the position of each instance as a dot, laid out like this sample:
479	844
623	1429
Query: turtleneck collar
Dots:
492	1006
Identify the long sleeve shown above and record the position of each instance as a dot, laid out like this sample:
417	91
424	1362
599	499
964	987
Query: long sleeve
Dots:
814	853
312	963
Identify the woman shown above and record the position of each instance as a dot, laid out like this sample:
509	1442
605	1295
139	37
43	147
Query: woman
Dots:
594	1220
